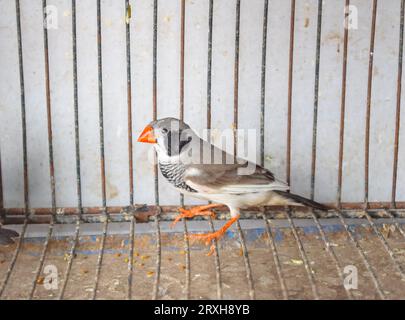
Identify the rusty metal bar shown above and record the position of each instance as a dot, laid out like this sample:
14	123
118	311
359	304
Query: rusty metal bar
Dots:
151	209
129	102
263	80
49	110
304	257
236	80
209	85
316	97
343	106
128	13
327	246
182	34
25	158
398	107
76	112
290	88
102	158
368	109
155	292
276	258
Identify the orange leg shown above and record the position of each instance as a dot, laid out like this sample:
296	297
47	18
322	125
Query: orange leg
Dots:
196	211
209	237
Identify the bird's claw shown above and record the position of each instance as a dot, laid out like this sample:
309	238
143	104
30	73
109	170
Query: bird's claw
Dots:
192	213
207	238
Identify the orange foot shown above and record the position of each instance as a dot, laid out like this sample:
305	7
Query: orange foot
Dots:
214	236
196	211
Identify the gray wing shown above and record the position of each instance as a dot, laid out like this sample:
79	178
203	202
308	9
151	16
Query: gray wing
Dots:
227	178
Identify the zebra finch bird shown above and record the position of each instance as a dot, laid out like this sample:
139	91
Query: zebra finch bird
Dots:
197	168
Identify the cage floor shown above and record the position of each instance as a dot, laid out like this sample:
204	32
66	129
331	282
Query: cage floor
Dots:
200	269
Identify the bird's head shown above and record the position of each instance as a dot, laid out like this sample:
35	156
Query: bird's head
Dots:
169	136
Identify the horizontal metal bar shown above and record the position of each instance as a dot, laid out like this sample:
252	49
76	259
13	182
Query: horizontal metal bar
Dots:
146	210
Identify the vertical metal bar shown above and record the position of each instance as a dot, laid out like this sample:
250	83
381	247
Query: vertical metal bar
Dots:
186	242
236	80
328	248
49	111
128	13
290	84
76	112
343	105
182	34
368	109
102	158
398	109
235	149
50	150
129	103
77	154
316	96
24	143
276	259
101	107
209	126
263	80
156	179
304	257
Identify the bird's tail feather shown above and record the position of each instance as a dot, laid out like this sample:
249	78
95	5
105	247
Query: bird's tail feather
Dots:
302	200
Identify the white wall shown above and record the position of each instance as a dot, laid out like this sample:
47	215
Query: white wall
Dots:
115	107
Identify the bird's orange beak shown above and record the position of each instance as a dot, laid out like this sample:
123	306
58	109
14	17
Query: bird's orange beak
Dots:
147	135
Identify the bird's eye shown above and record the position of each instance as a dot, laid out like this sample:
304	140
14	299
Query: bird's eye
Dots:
165	131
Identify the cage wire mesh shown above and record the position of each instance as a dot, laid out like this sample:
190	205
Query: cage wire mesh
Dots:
354	251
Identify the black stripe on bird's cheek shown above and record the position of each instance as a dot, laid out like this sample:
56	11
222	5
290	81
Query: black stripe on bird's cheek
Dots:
183	143
175	144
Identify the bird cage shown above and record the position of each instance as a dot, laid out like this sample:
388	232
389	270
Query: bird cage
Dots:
318	82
